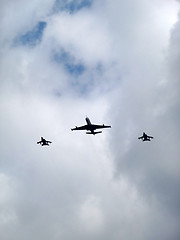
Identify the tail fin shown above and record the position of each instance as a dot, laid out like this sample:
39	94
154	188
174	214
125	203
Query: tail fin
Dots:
94	133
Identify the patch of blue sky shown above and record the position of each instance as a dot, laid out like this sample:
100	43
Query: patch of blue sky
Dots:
69	63
81	88
71	6
32	37
99	68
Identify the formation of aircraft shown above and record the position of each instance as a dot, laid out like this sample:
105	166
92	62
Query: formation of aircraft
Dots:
145	137
44	142
91	128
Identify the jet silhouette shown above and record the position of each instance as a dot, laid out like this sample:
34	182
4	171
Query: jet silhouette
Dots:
44	142
90	127
145	137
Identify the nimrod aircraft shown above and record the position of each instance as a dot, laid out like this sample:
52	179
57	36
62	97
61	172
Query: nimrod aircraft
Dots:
90	127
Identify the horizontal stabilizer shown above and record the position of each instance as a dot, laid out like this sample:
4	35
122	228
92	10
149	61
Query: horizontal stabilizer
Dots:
93	132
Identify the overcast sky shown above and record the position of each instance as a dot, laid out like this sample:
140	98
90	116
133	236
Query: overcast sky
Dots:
116	62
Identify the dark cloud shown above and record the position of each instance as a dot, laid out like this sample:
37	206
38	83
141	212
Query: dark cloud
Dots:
153	167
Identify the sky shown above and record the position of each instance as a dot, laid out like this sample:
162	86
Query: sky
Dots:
116	62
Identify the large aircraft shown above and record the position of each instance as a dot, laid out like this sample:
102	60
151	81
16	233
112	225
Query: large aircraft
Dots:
44	142
145	137
90	127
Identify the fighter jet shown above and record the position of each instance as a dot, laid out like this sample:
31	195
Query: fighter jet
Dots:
44	142
145	137
90	127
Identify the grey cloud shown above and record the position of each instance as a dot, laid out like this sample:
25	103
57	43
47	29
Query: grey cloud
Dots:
152	107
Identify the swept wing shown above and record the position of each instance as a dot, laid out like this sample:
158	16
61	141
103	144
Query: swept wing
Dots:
99	126
85	127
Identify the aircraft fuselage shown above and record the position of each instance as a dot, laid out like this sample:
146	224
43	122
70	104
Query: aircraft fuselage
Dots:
90	126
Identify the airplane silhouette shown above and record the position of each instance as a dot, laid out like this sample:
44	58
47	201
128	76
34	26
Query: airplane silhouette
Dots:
44	142
90	127
145	137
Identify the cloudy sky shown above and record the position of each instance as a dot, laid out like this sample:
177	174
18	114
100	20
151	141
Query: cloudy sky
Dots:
116	62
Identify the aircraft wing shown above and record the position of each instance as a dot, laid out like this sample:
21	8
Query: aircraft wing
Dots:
140	137
39	142
150	137
80	128
100	126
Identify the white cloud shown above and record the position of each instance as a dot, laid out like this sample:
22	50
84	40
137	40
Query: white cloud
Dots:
82	35
18	17
109	186
91	218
